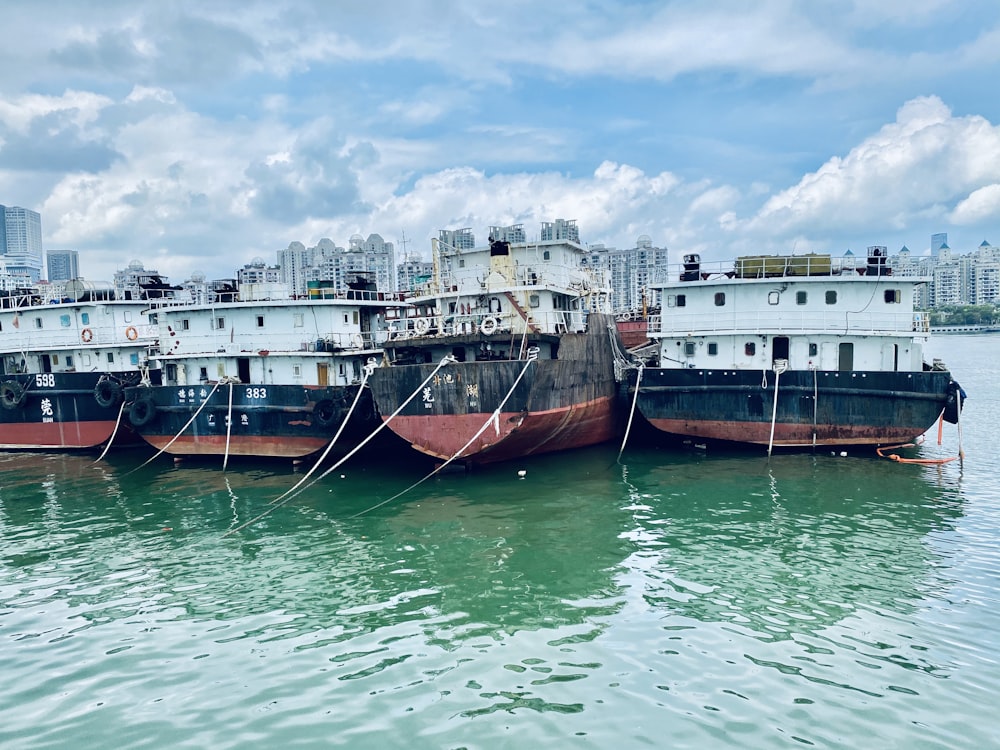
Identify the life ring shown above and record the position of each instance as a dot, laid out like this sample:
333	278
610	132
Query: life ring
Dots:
87	335
358	340
107	392
11	394
627	316
131	334
421	325
142	411
325	412
488	326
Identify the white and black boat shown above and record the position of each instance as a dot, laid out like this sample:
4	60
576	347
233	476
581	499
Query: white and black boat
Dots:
263	374
801	350
65	361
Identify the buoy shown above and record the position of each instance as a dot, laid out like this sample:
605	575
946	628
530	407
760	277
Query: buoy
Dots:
521	473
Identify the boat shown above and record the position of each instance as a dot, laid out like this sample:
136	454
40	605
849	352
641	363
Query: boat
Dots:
796	351
263	374
66	356
509	351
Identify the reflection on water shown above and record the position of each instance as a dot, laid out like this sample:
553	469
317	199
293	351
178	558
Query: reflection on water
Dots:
682	591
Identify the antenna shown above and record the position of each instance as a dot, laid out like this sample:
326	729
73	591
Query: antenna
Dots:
404	242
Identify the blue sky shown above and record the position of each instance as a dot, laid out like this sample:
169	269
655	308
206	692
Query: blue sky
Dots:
196	136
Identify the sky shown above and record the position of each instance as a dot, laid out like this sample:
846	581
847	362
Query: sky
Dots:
199	136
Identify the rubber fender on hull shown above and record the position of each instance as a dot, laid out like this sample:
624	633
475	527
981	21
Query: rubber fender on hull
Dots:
11	394
142	411
107	392
954	402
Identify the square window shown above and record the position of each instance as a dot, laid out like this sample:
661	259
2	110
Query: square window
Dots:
773	298
185	325
111	357
720	299
85	318
681	300
813	350
713	349
220	323
892	296
750	348
689	348
831	297
801	298
64	321
260	321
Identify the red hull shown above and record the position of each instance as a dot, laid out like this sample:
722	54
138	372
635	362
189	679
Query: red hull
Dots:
57	435
246	445
787	435
514	434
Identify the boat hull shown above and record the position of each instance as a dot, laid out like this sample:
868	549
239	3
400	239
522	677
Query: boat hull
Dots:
542	406
272	421
813	407
59	411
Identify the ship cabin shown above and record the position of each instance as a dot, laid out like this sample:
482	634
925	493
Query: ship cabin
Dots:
321	340
79	330
496	302
805	312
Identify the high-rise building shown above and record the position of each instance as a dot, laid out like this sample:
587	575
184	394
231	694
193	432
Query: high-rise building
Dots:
938	240
63	265
21	241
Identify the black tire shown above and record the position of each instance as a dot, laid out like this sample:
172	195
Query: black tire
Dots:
325	412
11	394
142	411
107	393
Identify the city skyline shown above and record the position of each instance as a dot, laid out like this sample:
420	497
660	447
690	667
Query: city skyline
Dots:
201	136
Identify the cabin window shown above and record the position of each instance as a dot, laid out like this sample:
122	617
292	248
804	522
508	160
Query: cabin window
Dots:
831	297
134	359
688	348
534	301
713	349
185	324
773	298
892	296
813	349
203	374
546	255
801	298
38	322
171	372
720	299
297	371
64	321
220	323
355	316
85	318
676	300
461	262
111	357
260	321
69	362
750	348
346	319
297	320
55	359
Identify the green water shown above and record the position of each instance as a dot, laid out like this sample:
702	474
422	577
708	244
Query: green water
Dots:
672	599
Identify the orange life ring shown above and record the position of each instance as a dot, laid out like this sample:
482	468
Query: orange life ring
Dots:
87	335
131	334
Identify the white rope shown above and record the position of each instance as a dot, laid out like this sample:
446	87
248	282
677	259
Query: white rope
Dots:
288	496
114	432
186	425
780	365
366	371
635	398
493	418
229	426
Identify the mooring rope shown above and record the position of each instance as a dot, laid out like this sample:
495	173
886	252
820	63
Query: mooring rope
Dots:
186	425
288	496
631	413
229	426
367	370
114	432
532	355
780	365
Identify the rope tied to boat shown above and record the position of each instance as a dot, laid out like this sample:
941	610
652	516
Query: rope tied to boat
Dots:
181	432
292	493
494	418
